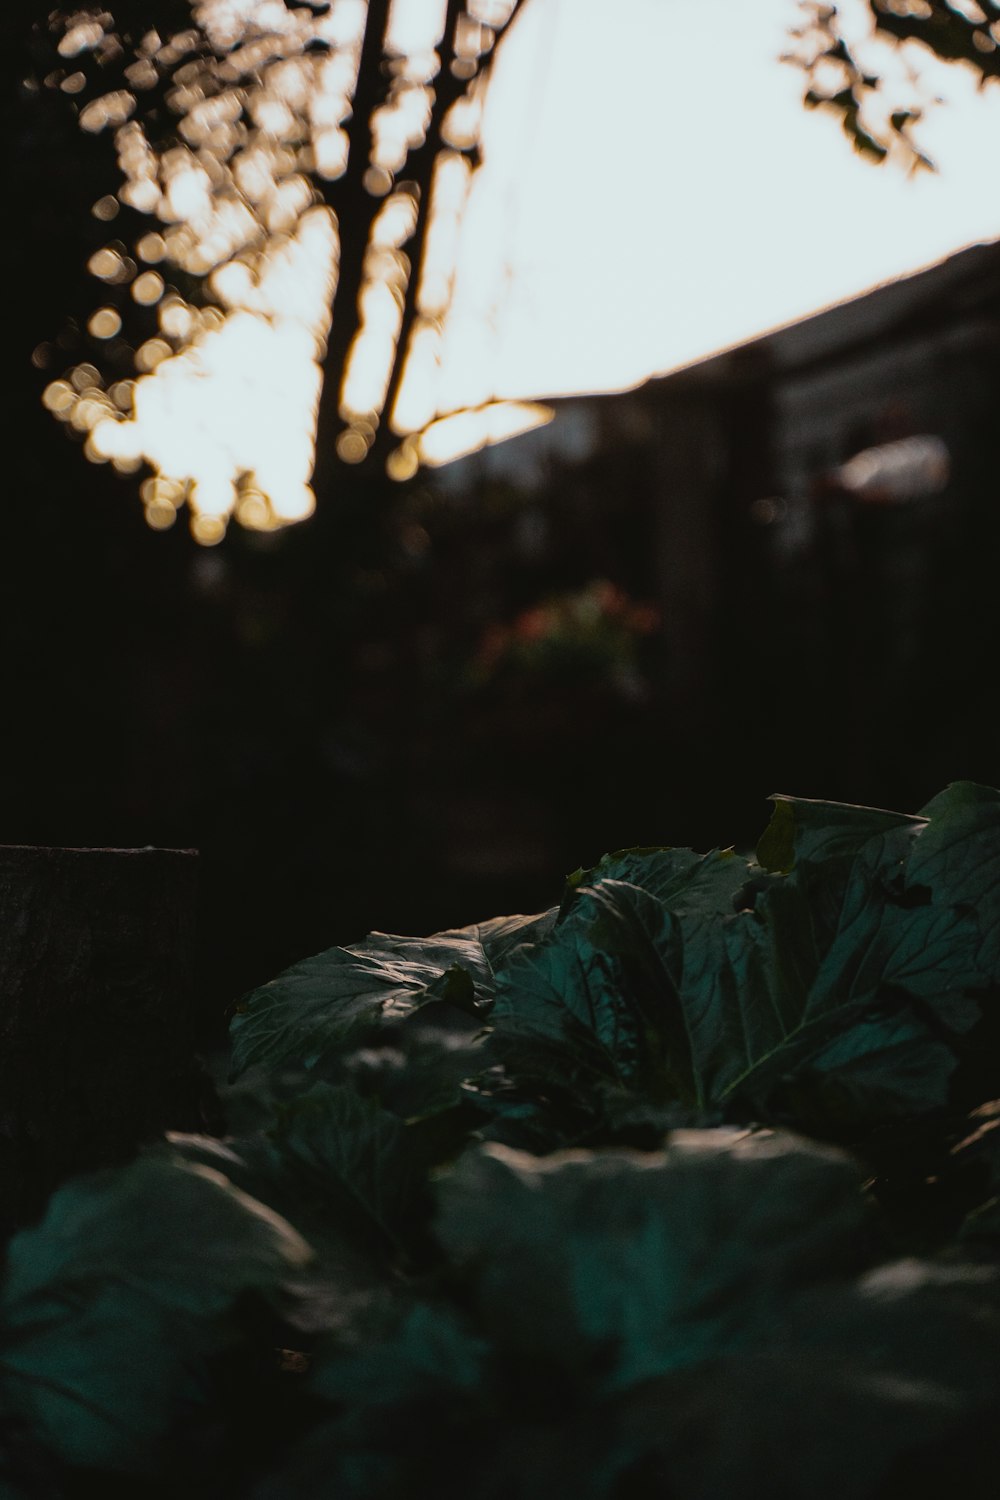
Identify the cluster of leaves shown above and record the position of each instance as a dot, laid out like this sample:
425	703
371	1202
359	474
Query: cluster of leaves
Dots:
689	1186
847	72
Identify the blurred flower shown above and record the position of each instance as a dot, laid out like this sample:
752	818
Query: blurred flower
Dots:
590	633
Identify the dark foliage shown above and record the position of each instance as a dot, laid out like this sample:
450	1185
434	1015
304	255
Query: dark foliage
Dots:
687	1186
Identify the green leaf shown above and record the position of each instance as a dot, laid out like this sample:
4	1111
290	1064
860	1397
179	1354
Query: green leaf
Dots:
958	855
406	1399
430	1350
501	936
617	1266
884	1388
352	1150
114	1303
693	885
805	831
424	1073
835	968
348	1172
844	962
323	1007
599	999
661	871
593	1004
330	1002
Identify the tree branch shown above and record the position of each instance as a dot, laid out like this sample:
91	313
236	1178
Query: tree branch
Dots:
420	169
949	34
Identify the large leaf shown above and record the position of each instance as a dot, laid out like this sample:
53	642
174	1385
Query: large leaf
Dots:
350	1152
347	1172
679	878
805	831
618	1266
599	998
328	1004
835	968
564	1011
403	1410
429	1350
886	1388
835	978
958	853
818	1385
500	936
113	1304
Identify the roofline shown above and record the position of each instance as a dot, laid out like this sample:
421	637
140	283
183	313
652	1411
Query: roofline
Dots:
742	359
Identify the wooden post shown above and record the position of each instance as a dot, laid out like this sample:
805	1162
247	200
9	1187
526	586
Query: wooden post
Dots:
97	1018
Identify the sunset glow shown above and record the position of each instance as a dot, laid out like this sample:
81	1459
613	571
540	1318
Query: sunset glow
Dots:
652	190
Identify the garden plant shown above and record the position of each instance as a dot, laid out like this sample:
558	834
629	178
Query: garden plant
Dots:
687	1187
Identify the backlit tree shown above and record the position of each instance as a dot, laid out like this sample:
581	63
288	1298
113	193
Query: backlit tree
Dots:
281	240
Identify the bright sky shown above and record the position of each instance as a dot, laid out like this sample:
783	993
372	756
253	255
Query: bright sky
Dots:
654	190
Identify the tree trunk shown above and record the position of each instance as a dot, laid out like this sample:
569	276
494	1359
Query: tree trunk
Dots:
355	209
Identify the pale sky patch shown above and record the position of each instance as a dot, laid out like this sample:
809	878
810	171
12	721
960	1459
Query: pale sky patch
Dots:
654	190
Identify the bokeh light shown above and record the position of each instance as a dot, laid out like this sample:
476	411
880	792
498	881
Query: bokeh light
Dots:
105	323
81	36
222	400
147	288
59	397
